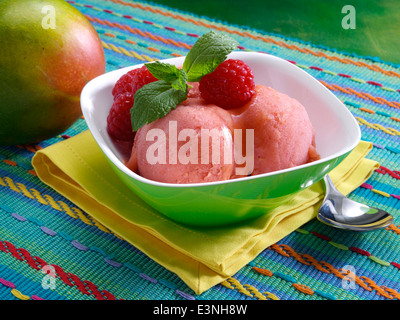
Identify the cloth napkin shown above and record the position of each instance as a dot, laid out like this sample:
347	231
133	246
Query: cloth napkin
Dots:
201	257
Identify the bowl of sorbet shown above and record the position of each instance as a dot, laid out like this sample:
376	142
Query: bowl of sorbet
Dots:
291	133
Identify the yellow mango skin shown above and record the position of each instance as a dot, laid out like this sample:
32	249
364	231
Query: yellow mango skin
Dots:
42	69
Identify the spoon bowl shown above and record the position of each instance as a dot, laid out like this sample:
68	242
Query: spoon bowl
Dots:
341	212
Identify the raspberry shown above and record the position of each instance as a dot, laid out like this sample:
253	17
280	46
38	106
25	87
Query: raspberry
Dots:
119	125
132	81
229	86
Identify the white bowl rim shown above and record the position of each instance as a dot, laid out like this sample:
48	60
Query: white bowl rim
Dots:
91	86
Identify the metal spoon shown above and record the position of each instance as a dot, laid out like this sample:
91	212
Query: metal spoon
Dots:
341	212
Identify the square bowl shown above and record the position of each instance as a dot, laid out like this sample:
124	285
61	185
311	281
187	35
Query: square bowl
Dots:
225	202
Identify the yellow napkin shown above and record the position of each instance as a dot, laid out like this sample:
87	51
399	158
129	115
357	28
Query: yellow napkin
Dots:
201	257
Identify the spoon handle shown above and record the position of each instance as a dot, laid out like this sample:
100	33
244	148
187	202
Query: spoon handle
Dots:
330	187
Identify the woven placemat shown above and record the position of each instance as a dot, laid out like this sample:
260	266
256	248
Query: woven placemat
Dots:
40	228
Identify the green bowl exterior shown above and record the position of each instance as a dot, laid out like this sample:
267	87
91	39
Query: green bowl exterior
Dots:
227	203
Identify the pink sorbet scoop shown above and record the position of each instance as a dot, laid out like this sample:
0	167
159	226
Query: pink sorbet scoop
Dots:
283	133
192	144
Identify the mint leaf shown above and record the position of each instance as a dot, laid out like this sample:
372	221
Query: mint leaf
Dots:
169	73
163	71
154	101
180	83
207	53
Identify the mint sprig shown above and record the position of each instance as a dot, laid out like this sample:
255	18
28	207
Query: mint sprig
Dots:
169	73
156	99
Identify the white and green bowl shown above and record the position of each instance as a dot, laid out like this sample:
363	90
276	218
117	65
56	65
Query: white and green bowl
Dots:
226	202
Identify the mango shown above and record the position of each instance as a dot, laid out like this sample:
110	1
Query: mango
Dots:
48	52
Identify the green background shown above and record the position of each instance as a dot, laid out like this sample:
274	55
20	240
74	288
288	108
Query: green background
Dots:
377	32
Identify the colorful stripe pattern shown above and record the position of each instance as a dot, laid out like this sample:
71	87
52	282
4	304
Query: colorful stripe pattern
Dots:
39	228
